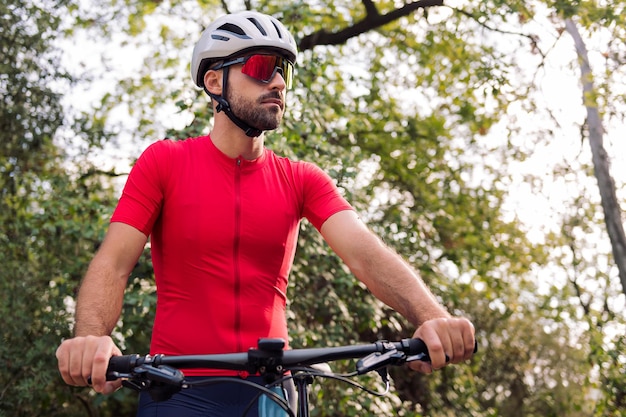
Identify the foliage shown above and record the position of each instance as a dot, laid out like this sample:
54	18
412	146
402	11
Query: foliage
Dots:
50	223
400	115
53	212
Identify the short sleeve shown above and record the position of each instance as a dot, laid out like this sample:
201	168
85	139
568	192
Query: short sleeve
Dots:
142	197
322	198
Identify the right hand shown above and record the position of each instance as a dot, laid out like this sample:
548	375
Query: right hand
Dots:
449	340
83	357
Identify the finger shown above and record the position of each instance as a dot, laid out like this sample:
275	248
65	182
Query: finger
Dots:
104	349
63	362
461	334
447	345
90	345
112	386
469	338
74	361
435	344
458	343
421	366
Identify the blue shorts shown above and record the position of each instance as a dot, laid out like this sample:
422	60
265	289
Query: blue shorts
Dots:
224	399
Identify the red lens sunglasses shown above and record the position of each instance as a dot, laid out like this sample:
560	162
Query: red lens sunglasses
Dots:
263	67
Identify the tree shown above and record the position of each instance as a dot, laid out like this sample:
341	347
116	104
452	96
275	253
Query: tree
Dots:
52	215
606	184
398	103
30	114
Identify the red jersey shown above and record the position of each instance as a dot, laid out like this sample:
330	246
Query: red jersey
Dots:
223	235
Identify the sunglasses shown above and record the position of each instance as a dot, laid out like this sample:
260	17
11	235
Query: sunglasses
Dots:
263	67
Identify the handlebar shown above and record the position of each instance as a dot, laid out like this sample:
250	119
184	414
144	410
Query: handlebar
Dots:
161	376
269	356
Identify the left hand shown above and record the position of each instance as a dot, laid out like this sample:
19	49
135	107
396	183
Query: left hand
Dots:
445	337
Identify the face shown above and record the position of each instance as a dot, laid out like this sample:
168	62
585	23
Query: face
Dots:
257	103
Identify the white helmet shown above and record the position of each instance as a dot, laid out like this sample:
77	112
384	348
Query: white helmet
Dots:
238	33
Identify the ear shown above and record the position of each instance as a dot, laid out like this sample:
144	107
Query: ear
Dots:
213	81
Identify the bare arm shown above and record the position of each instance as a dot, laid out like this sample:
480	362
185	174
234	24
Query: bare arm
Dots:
101	293
399	286
386	275
98	308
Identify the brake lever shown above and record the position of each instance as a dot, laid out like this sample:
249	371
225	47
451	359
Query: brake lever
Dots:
376	360
424	357
163	374
161	381
114	375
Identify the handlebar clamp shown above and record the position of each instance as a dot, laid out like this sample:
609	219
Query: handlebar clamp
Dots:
267	358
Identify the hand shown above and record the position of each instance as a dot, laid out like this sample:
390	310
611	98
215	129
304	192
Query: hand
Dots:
449	340
83	357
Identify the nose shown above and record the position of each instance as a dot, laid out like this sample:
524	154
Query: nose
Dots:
278	79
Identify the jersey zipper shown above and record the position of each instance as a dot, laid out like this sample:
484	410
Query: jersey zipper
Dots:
236	265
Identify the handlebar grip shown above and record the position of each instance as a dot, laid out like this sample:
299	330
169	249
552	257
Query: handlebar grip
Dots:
122	364
416	347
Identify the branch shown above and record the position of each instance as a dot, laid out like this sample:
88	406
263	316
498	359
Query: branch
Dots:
225	6
94	171
373	19
534	40
370	8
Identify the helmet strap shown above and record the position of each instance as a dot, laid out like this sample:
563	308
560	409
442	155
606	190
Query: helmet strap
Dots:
222	105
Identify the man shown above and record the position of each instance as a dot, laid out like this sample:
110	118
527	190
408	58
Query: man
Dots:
223	212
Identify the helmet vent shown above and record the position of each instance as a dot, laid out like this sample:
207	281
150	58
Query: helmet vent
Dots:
258	25
280	35
229	27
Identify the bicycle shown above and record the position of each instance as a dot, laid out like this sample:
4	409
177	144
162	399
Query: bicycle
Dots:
160	376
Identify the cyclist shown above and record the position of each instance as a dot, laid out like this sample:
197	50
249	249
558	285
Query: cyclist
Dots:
222	212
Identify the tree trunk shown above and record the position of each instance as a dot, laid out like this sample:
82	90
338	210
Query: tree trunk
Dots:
606	184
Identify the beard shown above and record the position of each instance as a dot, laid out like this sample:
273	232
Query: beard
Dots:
253	113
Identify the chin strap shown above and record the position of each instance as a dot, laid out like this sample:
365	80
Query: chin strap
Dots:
222	105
